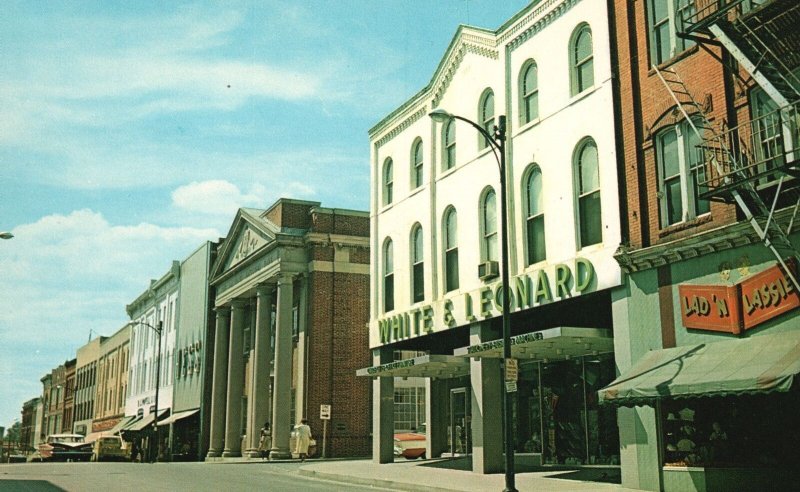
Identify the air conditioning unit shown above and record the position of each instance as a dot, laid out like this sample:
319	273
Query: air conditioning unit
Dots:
488	270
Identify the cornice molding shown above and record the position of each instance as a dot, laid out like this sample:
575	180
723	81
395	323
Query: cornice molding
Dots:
723	238
402	126
469	43
546	19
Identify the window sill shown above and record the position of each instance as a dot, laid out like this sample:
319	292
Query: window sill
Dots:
387	207
675	59
416	191
583	94
527	126
683	226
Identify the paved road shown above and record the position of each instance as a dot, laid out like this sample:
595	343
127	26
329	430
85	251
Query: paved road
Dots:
54	477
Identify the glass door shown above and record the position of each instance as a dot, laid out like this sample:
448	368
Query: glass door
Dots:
459	428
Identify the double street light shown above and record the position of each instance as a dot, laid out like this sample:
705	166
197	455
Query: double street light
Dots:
158	329
497	142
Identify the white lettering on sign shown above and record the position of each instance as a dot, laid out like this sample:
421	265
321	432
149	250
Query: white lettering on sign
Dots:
325	412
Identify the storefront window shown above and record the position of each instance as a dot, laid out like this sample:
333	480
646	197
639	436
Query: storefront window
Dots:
736	431
557	413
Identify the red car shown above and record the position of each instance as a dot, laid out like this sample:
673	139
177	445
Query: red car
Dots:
409	445
65	447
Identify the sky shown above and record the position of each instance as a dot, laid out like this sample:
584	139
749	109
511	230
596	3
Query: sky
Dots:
132	131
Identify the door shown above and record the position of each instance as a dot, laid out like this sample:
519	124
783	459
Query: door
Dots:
459	428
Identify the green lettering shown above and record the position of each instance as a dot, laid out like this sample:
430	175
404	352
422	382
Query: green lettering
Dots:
427	319
485	301
468	308
498	299
384	327
449	321
397	329
406	325
523	291
563	276
542	288
584	274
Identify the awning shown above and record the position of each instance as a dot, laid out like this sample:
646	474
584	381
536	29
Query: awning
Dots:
121	425
425	366
177	416
133	421
93	436
145	422
558	343
760	364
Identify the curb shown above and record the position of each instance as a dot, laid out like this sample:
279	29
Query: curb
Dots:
374	482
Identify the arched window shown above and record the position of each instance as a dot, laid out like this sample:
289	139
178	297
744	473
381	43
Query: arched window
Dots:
486	112
388	276
449	140
489	226
529	92
534	224
450	250
416	164
581	60
388	181
417	265
588	184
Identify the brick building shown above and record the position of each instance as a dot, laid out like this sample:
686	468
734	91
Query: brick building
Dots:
69	395
706	97
291	303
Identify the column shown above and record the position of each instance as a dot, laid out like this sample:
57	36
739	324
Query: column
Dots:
487	409
233	421
219	382
382	411
282	398
300	390
259	401
437	401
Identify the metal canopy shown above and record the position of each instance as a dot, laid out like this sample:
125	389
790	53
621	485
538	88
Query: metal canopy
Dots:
425	366
759	364
559	343
145	422
177	416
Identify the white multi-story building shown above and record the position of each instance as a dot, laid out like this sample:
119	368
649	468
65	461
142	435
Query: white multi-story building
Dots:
435	237
158	304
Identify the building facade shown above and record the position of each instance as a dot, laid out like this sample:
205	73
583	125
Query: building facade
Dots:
291	303
435	238
85	385
189	423
29	427
111	388
707	99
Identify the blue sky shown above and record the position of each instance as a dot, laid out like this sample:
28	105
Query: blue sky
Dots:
132	131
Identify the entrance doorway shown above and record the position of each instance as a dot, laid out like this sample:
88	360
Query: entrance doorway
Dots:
459	430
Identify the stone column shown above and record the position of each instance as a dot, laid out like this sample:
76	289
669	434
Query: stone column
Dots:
260	400
437	399
233	421
282	398
300	390
487	409
382	411
219	382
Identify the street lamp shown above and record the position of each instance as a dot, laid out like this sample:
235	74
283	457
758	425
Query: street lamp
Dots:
6	235
497	142
158	331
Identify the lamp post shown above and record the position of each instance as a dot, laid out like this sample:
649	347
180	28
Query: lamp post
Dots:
497	142
158	331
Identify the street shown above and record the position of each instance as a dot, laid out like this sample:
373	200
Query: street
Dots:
52	477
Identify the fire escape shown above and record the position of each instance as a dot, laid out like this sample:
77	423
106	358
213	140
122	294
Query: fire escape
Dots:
756	164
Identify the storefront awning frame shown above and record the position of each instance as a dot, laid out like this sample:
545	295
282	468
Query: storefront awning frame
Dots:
434	366
143	423
177	416
754	365
559	343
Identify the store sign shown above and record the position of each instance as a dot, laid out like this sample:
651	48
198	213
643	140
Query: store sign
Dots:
732	309
710	307
529	290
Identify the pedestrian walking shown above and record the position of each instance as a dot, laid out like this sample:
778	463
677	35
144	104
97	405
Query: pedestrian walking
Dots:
265	441
303	441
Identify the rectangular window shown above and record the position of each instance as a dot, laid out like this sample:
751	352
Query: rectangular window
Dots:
666	19
451	266
419	282
682	173
388	292
536	243
591	227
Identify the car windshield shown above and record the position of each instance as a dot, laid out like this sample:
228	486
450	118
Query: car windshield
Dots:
67	438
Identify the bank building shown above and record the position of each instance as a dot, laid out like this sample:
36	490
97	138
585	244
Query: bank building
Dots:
435	245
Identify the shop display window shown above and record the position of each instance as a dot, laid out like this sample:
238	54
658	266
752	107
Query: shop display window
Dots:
747	431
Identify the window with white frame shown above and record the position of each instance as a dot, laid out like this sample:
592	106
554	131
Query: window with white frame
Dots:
449	144
486	112
581	60
666	18
534	223
416	164
417	265
388	276
450	250
590	230
529	92
680	170
489	226
388	181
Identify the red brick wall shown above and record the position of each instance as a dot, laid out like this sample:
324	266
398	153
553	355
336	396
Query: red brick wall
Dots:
328	221
338	346
645	108
287	214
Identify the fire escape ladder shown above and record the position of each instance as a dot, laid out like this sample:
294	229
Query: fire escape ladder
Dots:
743	190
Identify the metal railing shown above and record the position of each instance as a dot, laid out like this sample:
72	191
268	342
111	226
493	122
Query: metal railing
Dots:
700	14
756	150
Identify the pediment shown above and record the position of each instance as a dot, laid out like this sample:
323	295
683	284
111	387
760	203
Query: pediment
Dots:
249	234
466	41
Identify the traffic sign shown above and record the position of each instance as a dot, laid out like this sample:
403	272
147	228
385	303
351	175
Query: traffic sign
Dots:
512	371
325	412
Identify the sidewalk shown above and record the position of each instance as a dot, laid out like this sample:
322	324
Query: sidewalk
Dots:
438	476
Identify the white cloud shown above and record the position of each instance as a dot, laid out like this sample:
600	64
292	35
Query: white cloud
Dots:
216	197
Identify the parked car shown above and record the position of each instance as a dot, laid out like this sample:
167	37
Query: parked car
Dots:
65	447
109	448
409	445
